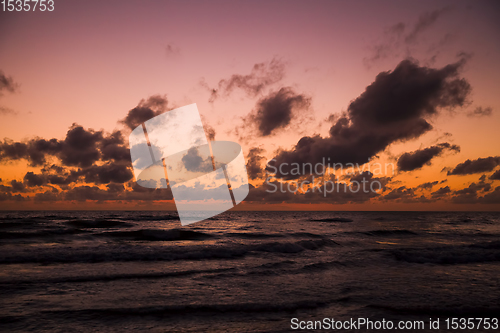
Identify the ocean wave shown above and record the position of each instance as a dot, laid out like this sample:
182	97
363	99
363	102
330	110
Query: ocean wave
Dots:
38	234
332	219
168	217
97	223
158	253
158	235
15	224
220	308
253	235
449	255
261	235
393	232
9	222
282	268
114	277
322	266
463	311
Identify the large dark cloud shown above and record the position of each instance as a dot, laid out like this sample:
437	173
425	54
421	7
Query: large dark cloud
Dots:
81	148
254	163
277	110
145	110
17	186
418	158
113	148
480	165
261	77
31	179
395	107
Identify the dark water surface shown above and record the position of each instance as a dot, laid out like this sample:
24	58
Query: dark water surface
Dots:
243	271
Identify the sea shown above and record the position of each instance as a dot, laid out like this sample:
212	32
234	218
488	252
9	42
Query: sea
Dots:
122	271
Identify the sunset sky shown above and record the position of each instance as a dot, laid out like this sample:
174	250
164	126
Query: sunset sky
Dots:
412	83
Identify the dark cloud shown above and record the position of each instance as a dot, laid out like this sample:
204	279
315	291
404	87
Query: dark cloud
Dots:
480	112
324	190
10	150
85	192
443	191
265	194
5	189
194	162
496	175
49	195
277	110
419	158
425	21
394	108
396	43
261	77
7	83
31	179
172	50
113	148
492	197
471	194
11	197
427	186
107	173
145	110
97	174
94	158
210	132
17	186
397	28
63	177
254	163
37	149
480	165
405	195
400	193
62	180
80	148
7	111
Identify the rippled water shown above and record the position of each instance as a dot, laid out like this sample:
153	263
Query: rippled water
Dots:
243	271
